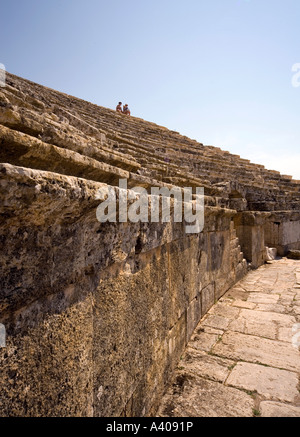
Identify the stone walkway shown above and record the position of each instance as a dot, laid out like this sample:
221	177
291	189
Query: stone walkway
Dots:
243	359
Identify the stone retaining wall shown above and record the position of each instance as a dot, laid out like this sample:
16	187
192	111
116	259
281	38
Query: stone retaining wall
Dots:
97	315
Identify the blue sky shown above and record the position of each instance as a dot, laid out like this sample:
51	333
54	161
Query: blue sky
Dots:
219	71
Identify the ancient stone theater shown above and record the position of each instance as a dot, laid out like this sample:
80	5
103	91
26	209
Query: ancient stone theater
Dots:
97	314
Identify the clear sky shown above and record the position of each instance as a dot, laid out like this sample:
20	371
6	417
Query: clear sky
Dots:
219	71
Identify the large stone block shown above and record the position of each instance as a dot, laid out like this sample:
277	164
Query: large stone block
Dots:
46	366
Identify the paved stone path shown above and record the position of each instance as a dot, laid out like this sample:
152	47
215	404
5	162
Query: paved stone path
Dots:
243	358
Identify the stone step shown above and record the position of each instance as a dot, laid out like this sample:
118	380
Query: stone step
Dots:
65	137
23	150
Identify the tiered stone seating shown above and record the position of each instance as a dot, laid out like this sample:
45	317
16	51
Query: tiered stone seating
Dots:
99	135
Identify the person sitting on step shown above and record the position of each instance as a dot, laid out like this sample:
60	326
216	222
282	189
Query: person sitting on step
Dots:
119	107
126	110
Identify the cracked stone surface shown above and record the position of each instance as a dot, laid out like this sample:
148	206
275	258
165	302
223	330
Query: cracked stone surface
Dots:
243	359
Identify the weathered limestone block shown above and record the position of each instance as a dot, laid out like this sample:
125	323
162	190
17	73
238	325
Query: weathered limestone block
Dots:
293	254
250	231
282	231
208	297
271	253
21	149
46	365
